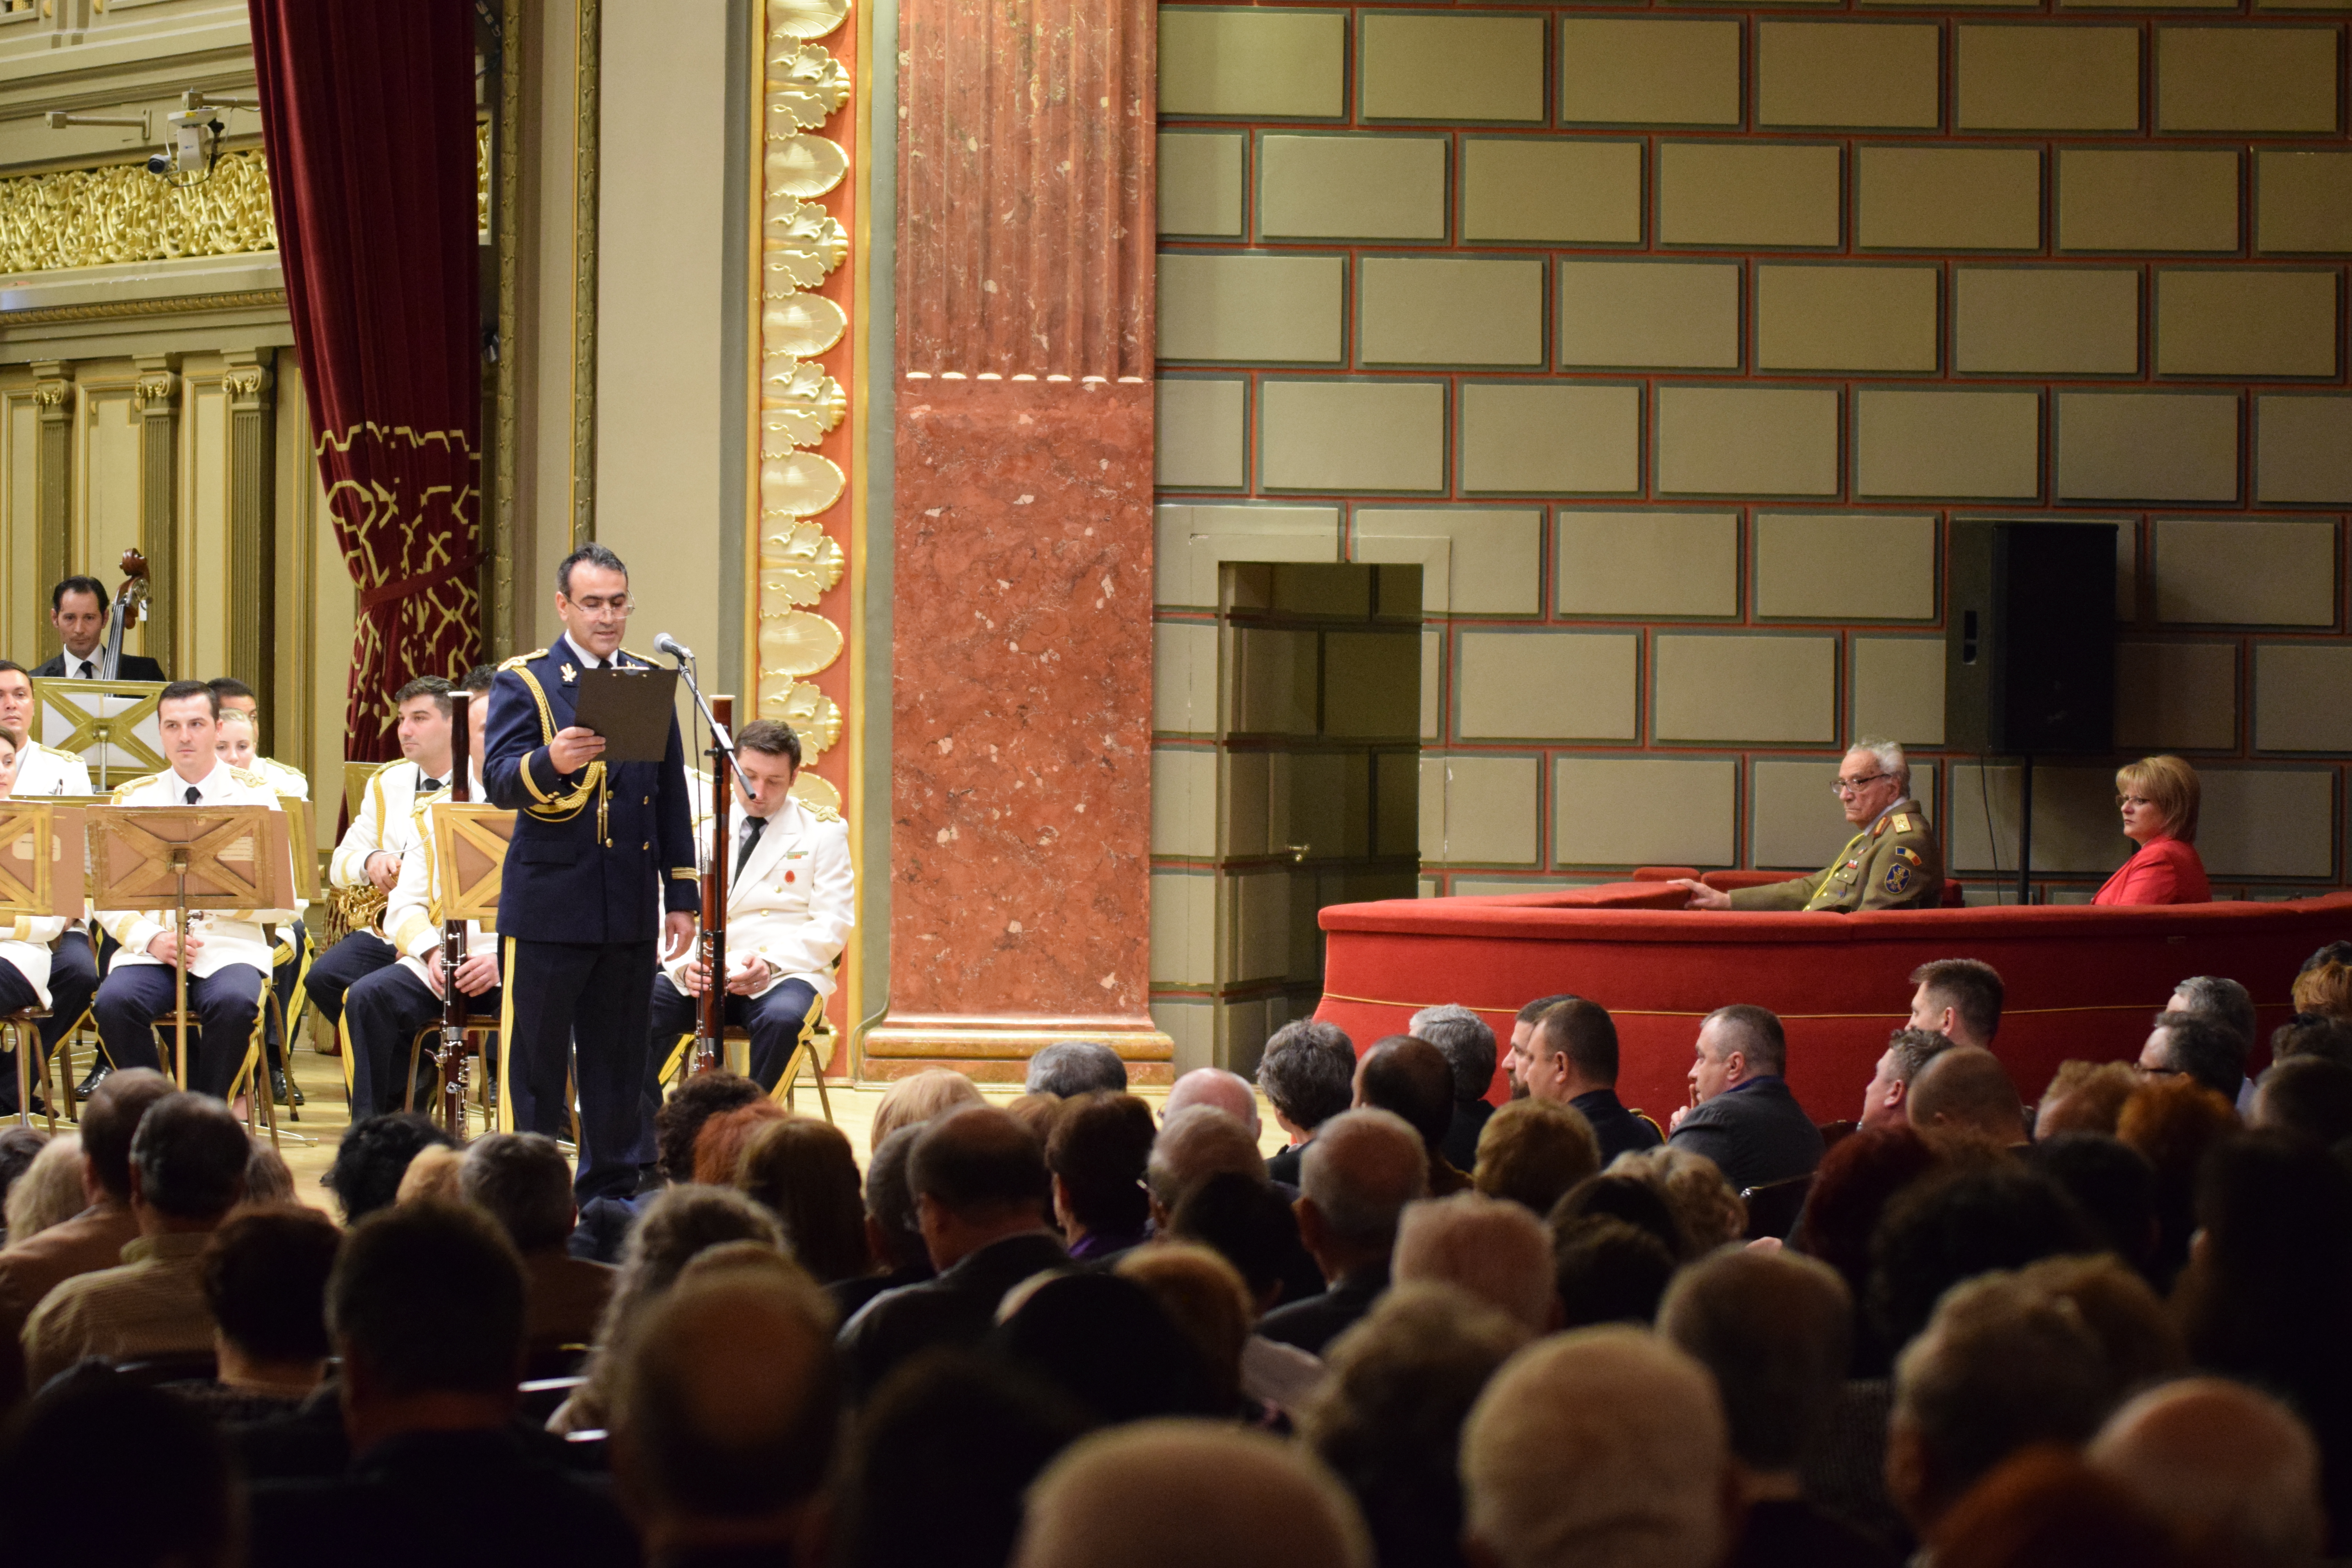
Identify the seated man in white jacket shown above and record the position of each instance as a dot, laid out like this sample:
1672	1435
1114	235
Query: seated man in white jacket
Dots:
790	905
383	1011
24	949
44	770
228	950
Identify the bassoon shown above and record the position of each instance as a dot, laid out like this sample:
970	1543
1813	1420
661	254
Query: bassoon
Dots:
710	1016
451	1058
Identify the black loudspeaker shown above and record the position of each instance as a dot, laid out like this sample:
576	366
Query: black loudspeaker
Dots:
2030	664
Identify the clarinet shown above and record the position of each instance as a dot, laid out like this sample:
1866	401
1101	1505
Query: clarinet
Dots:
711	1015
451	1058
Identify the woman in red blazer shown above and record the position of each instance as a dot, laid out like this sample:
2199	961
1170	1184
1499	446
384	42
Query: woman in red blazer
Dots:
2157	796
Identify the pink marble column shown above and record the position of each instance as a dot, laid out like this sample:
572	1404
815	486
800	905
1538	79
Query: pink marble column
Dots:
1021	748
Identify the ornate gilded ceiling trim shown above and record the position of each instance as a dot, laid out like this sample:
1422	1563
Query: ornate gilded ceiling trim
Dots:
121	310
587	111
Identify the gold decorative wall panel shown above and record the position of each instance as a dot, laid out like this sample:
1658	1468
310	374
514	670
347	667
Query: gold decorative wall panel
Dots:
89	217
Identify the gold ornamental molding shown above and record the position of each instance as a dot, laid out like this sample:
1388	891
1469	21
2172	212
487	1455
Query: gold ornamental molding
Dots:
122	309
96	218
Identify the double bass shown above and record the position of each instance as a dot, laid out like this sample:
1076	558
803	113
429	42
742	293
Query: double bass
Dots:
129	604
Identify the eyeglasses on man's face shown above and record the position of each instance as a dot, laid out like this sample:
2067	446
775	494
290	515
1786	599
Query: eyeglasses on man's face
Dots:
1845	786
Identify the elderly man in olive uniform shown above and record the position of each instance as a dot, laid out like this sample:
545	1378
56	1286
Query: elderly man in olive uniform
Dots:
1892	863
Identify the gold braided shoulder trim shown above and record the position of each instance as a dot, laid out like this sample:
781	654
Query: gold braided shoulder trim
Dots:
121	789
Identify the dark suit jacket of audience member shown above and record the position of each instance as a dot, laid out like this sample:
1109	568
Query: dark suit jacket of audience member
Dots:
1790	1533
1315	1322
1756	1131
134	666
307	1444
957	1308
849	1295
1282	1169
458	1498
1618	1131
1460	1144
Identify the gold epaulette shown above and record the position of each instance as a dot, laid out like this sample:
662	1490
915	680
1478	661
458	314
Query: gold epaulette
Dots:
396	762
518	661
1902	823
122	789
821	813
252	780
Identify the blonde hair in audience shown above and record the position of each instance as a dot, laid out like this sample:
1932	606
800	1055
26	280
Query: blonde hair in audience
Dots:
918	1099
432	1176
50	1192
2326	989
1204	1295
1709	1211
2168	785
2085	1097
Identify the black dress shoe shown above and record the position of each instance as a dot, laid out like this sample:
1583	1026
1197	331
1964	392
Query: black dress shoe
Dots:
96	1076
283	1091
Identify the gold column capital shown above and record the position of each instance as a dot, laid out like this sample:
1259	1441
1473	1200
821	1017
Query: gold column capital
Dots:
158	383
248	379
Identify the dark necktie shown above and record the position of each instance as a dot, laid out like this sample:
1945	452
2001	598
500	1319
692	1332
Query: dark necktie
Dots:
192	796
753	827
427	786
89	670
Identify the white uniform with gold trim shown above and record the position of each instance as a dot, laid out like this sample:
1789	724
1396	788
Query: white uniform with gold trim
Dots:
794	903
230	936
44	770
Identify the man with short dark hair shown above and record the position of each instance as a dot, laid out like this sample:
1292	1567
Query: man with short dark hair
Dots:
522	1181
1886	1103
1523	1029
264	1277
425	1309
1412	1078
1744	1118
1959	998
2194	1045
1358	1175
77	611
2310	1095
40	770
1570	1056
1098	1151
187	1169
1307	1073
1070	1068
981	1188
1468	1047
371	1158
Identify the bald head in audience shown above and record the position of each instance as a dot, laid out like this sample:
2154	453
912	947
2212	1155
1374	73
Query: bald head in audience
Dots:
2232	1471
1490	1247
1354	1183
1967	1091
1601	1446
1190	1494
727	1410
1193	1144
1777	1331
1229	1092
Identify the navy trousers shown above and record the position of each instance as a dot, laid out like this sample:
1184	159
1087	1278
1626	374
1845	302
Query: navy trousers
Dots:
334	971
222	1005
381	1015
776	1020
581	1007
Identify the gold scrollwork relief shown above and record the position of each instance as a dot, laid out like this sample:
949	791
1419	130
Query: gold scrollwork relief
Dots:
155	388
89	217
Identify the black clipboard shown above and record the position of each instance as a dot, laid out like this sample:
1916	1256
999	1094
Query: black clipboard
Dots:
632	709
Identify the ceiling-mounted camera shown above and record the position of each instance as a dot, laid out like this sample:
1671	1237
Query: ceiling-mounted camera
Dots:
191	138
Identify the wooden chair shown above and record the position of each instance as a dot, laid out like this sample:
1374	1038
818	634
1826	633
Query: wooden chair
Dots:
804	1053
23	1039
260	1110
424	1049
1773	1207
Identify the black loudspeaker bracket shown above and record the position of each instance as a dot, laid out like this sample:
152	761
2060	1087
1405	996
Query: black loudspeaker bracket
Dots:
2025	831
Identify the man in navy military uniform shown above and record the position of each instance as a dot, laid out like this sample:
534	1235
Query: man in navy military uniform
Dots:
602	865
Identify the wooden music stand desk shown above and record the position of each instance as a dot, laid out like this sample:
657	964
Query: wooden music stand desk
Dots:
189	858
41	874
469	859
109	724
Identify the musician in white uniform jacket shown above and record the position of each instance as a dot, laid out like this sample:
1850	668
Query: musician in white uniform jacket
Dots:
228	950
71	963
790	905
23	948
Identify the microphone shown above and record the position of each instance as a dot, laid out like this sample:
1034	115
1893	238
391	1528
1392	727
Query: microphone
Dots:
664	643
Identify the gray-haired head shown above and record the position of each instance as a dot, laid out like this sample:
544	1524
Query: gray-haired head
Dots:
2224	1000
1075	1067
1890	758
1465	1042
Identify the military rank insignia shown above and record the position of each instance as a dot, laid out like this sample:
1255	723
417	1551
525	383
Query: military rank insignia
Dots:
1897	877
569	674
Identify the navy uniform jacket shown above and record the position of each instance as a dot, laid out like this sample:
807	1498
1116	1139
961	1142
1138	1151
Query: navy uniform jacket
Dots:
599	853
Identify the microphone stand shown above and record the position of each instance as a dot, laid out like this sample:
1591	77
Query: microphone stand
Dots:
711	1012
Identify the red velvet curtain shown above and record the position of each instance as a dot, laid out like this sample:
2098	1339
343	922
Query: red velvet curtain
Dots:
367	112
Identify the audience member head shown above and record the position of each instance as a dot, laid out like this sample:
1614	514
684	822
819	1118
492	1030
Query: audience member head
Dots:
2233	1472
1037	1112
1523	1026
264	1275
940	1460
892	1232
432	1176
1705	1209
2306	1095
2194	1046
1387	1417
726	1410
921	1097
2174	1121
719	1146
1412	1078
1777	1331
801	1171
2139	1340
187	1164
695	1100
89	1421
1307	1074
2114	1186
978	1177
1464	1041
1070	1068
1106	1342
1608	1270
426	1309
111	1118
1735	1044
1605	1446
1960	1222
2314	1035
2225	1002
1229	1092
1489	1248
1629	1195
50	1192
1206	1298
1191	1145
2045	1508
269	1179
1965	1092
1959	998
1886	1103
2085	1097
371	1158
1188	1494
2324	986
1246	1223
1859	1176
18	1146
1571	1049
1533	1151
2000	1365
1354	1183
1098	1153
522	1181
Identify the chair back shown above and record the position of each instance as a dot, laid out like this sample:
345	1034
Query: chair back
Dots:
1773	1207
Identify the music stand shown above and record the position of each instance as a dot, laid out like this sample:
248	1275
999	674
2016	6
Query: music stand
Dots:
201	857
110	724
41	869
469	859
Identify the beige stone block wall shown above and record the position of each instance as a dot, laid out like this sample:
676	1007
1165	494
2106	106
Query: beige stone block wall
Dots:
2302	448
1352	187
2047	78
1549	686
2045	320
1648	565
1649	315
1845	567
1948	198
1643	811
1539	438
1884	76
1564	193
1717	687
1765	441
1414	310
1829	317
1649	70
